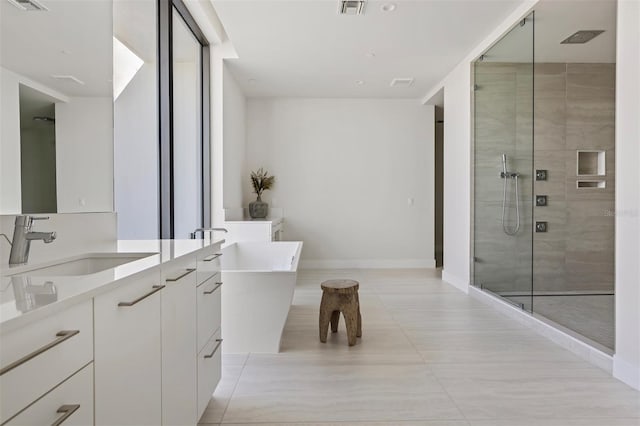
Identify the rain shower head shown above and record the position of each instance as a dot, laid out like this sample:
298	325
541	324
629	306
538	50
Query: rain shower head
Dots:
582	36
44	119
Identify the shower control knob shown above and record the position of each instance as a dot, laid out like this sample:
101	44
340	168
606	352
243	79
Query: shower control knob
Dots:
541	200
541	175
541	226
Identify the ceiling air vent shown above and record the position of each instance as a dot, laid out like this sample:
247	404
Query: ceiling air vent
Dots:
351	7
402	82
582	37
29	5
69	78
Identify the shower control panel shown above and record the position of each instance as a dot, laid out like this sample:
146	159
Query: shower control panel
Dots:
541	226
541	175
541	200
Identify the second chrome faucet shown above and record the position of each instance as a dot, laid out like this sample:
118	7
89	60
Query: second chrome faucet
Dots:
22	237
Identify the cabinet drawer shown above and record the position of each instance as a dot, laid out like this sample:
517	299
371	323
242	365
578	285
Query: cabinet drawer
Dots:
209	309
179	271
209	371
39	356
69	404
208	263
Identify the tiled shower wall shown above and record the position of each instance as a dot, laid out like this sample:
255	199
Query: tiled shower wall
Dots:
503	123
574	110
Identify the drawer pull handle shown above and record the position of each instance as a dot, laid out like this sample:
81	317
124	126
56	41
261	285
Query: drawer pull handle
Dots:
68	411
218	285
156	288
212	257
182	275
61	337
214	349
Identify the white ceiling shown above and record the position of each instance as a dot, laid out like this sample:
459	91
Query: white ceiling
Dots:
304	48
555	20
73	38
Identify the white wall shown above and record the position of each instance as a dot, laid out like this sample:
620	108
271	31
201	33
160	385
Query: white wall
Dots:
84	155
136	156
10	193
456	240
345	169
234	133
626	364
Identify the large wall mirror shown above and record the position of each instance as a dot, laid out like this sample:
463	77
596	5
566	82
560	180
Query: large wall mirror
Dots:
56	106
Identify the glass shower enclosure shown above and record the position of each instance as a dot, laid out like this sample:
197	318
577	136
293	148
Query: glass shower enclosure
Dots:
543	179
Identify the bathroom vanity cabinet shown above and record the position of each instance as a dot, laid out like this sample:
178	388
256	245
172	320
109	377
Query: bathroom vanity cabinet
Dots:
142	341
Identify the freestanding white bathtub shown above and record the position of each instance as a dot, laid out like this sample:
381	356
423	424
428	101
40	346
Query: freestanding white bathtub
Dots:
259	280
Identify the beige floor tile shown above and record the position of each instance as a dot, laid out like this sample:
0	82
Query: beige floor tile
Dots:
429	355
557	422
399	423
339	393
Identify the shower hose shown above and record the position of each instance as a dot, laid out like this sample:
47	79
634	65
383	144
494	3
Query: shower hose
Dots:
505	228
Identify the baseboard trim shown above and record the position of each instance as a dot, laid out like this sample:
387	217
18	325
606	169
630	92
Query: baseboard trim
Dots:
459	283
367	263
626	372
585	351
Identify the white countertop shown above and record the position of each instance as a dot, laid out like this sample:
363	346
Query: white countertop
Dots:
73	289
272	220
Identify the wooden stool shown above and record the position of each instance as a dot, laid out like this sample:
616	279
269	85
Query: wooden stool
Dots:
340	296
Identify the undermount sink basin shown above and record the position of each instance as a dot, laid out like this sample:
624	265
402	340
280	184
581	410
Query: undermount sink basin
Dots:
89	264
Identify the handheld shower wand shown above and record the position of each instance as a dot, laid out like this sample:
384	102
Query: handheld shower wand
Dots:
509	175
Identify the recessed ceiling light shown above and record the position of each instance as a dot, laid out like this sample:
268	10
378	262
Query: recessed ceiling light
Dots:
360	82
388	7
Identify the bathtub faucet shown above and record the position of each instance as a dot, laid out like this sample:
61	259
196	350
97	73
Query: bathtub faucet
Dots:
203	230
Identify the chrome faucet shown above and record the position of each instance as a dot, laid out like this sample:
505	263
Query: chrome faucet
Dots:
22	237
203	230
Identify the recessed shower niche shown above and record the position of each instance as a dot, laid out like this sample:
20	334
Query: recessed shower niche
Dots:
591	163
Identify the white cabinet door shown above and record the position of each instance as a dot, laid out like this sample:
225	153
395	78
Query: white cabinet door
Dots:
70	403
209	309
128	353
179	365
209	371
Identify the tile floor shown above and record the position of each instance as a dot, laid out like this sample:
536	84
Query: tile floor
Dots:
589	315
429	355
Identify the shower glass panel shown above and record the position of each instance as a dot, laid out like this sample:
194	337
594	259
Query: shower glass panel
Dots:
503	166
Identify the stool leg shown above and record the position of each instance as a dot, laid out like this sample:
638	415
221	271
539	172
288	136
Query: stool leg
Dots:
325	316
351	320
359	333
335	318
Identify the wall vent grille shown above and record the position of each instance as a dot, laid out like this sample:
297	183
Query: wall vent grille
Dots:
351	7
